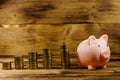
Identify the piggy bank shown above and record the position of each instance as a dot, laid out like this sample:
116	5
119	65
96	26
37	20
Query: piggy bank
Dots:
93	53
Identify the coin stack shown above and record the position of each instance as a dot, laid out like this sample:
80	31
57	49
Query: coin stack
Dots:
18	62
33	64
64	56
6	65
47	54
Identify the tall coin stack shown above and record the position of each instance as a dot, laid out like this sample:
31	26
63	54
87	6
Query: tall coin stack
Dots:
33	64
18	62
64	56
47	55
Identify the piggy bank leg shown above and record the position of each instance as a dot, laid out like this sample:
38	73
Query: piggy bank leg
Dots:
91	67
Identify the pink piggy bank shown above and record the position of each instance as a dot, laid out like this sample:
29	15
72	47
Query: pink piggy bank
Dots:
94	52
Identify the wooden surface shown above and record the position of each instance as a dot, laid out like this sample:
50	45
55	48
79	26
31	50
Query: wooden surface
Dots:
76	72
59	11
109	74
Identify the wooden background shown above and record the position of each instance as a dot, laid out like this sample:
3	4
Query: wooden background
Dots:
59	11
22	39
32	25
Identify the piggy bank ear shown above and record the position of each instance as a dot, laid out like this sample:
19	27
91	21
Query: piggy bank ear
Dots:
104	37
91	39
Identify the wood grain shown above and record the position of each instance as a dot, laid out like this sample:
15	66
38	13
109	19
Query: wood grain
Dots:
109	73
22	39
59	11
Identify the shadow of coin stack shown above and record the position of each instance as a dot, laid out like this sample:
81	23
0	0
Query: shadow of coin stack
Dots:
64	56
47	55
33	63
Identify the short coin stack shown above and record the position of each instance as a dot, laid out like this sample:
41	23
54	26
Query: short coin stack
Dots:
6	65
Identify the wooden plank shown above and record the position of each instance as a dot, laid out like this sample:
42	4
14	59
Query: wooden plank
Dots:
22	39
59	11
59	73
106	11
44	11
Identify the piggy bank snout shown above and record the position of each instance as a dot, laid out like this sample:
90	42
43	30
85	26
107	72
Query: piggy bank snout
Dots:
105	55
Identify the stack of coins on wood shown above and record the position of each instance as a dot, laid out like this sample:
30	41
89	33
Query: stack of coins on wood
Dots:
33	63
6	65
47	55
18	60
64	56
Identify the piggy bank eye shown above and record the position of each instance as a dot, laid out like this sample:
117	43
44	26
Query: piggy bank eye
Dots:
98	45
